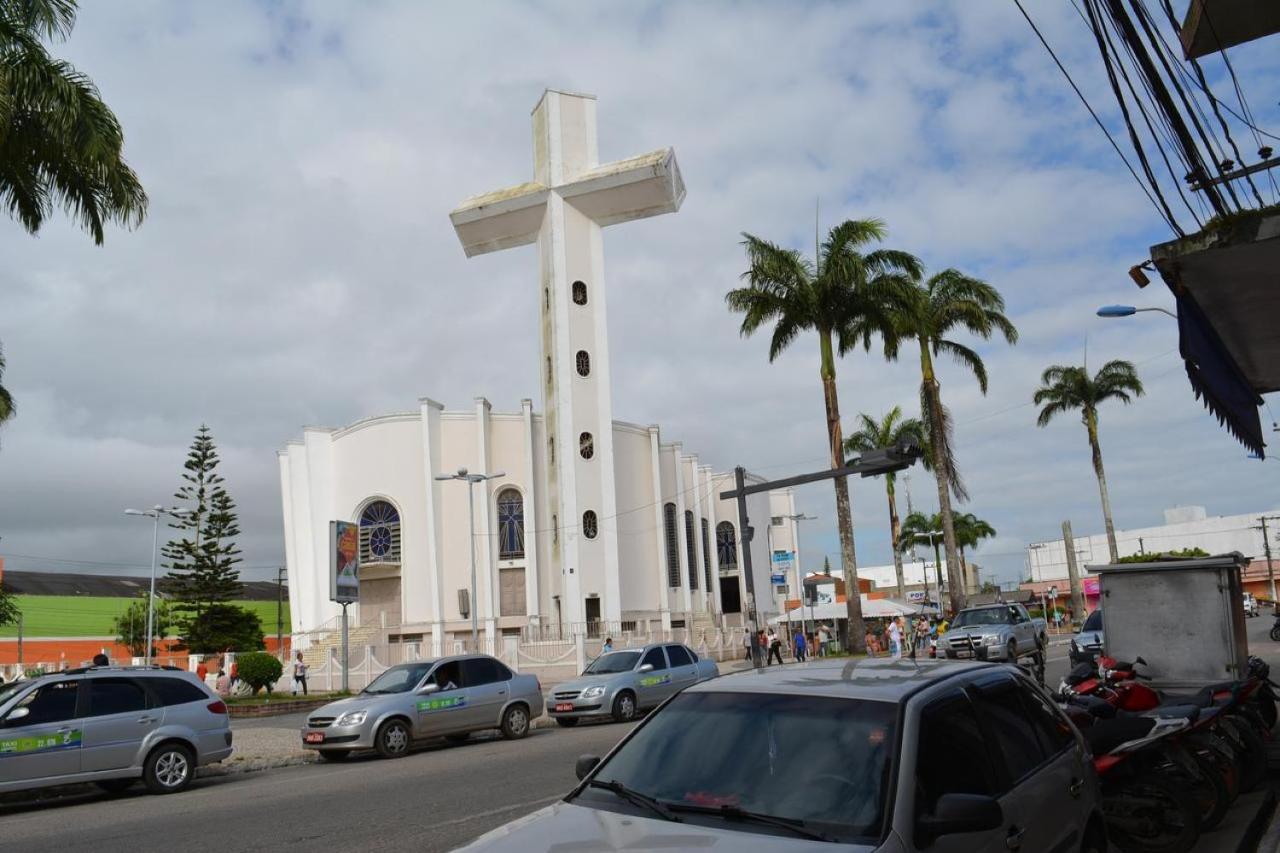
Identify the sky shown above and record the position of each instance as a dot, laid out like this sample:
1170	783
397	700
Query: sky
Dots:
297	265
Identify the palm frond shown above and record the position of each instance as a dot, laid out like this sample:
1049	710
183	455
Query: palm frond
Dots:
944	441
965	356
7	407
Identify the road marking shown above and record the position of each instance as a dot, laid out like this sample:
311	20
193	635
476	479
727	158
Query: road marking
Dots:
532	804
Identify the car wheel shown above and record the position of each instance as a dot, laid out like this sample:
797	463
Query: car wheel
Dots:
115	786
567	722
515	722
1012	651
168	769
334	755
624	707
393	739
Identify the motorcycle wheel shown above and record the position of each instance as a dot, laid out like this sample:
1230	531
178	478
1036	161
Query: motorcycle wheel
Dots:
1150	814
1211	793
1209	752
1252	760
1275	633
1266	709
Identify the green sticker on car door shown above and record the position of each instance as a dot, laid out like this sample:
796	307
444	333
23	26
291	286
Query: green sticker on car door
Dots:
655	680
444	704
37	743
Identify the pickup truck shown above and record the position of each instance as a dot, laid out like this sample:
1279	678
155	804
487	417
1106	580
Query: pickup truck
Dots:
1002	632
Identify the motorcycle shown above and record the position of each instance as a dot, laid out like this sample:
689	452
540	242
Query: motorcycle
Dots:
1275	629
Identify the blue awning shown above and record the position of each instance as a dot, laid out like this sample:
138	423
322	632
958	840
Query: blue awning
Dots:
1216	378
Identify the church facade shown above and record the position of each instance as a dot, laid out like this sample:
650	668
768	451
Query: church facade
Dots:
680	551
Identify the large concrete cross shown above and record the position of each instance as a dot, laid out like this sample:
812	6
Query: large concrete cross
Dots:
564	208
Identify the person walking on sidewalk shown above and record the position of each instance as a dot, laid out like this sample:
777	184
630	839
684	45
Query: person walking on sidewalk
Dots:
800	646
747	643
775	647
299	675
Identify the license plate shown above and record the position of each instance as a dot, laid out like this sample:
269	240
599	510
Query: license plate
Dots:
313	737
964	653
564	706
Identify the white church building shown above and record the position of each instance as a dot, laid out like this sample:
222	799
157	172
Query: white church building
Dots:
594	525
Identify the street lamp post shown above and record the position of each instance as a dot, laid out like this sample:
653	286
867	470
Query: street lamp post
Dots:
1129	311
154	513
471	480
776	521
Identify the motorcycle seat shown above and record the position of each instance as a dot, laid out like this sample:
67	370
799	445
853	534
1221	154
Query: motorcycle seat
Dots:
1190	712
1105	735
1202	699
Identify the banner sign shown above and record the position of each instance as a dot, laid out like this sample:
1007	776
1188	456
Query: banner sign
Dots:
778	579
915	595
344	561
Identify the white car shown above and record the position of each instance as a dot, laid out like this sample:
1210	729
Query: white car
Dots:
1250	605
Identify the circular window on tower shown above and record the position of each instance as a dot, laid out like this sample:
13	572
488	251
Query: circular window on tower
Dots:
589	525
586	445
584	363
579	293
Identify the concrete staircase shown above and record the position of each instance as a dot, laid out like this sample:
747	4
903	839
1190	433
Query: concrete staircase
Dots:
358	636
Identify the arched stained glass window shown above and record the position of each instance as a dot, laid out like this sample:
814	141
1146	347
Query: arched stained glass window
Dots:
510	525
706	551
726	546
590	526
379	533
673	545
584	363
579	293
691	551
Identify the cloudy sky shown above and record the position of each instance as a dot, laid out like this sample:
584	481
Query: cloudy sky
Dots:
298	266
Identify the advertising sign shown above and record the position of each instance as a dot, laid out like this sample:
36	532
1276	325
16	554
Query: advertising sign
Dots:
915	595
778	579
344	561
783	561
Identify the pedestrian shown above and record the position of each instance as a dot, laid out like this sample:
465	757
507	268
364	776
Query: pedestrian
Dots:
299	675
895	637
202	671
870	642
824	641
922	634
235	673
607	647
101	660
800	647
222	684
775	647
747	643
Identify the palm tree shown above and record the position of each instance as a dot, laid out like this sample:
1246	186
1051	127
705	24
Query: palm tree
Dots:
890	430
1063	388
920	529
928	311
970	530
60	145
7	409
841	295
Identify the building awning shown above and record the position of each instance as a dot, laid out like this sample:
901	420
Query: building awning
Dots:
1215	25
1226	281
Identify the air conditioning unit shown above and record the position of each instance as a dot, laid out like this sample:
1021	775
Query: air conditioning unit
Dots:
464	602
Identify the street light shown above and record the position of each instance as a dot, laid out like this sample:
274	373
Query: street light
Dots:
154	513
471	480
1129	311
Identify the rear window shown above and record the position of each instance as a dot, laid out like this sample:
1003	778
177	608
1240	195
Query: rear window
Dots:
115	696
678	656
175	691
1094	622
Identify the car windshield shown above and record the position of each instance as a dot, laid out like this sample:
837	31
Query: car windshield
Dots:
612	662
818	760
982	616
399	679
1094	622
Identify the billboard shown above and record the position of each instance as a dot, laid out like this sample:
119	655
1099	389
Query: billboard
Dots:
344	561
783	561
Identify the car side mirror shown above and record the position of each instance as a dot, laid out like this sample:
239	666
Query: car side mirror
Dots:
430	688
584	765
646	667
16	714
957	813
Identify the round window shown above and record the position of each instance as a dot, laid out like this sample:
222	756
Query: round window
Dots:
589	524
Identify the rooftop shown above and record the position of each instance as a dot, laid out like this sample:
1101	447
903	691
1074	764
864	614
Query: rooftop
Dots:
877	679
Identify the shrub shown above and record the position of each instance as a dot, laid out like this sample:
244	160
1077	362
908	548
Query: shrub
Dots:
1166	555
258	670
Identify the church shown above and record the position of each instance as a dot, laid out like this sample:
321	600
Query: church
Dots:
577	523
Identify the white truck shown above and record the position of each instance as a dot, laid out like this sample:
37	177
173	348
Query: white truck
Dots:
1004	632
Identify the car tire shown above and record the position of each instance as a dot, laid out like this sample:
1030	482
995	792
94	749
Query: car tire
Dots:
515	722
567	722
168	769
624	707
334	755
393	739
1012	651
115	786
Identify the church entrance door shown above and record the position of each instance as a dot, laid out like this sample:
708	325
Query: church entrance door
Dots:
593	617
730	599
511	587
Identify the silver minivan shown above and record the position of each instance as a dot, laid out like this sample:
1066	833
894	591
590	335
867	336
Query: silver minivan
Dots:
112	726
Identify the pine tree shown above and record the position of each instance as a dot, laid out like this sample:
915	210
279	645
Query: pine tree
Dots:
201	560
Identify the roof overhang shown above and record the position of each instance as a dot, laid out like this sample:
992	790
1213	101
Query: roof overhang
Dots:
1226	280
1214	25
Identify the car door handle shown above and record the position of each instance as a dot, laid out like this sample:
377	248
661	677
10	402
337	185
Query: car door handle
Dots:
502	693
144	720
1075	787
1014	839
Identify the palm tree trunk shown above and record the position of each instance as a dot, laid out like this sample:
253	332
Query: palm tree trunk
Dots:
938	438
964	572
1091	422
844	515
895	534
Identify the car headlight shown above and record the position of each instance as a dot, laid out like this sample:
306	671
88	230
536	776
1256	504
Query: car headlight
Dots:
353	718
991	641
593	692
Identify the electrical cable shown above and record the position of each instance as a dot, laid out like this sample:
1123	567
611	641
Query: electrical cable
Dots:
1163	210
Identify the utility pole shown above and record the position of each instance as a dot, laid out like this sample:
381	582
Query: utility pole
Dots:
1073	573
745	531
1266	547
19	641
280	612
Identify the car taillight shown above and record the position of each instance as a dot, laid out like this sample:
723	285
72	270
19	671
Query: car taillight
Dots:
218	707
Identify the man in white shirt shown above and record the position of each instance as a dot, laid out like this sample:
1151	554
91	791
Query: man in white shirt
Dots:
895	638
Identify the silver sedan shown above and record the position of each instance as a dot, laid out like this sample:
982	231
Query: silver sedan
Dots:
620	684
451	698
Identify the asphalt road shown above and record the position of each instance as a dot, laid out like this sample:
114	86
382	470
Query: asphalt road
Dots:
432	800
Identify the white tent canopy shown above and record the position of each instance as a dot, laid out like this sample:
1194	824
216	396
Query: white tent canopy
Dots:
872	608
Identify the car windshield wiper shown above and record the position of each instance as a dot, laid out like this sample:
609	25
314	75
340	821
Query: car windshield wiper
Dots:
636	798
736	813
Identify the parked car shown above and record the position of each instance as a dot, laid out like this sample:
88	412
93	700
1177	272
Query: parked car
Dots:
450	697
623	683
1087	645
994	632
1250	605
110	725
877	754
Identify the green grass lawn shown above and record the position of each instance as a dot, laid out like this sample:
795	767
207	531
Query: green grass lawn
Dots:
94	616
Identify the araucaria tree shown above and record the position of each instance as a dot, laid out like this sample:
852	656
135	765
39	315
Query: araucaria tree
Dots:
203	578
841	296
930	310
1064	388
892	429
